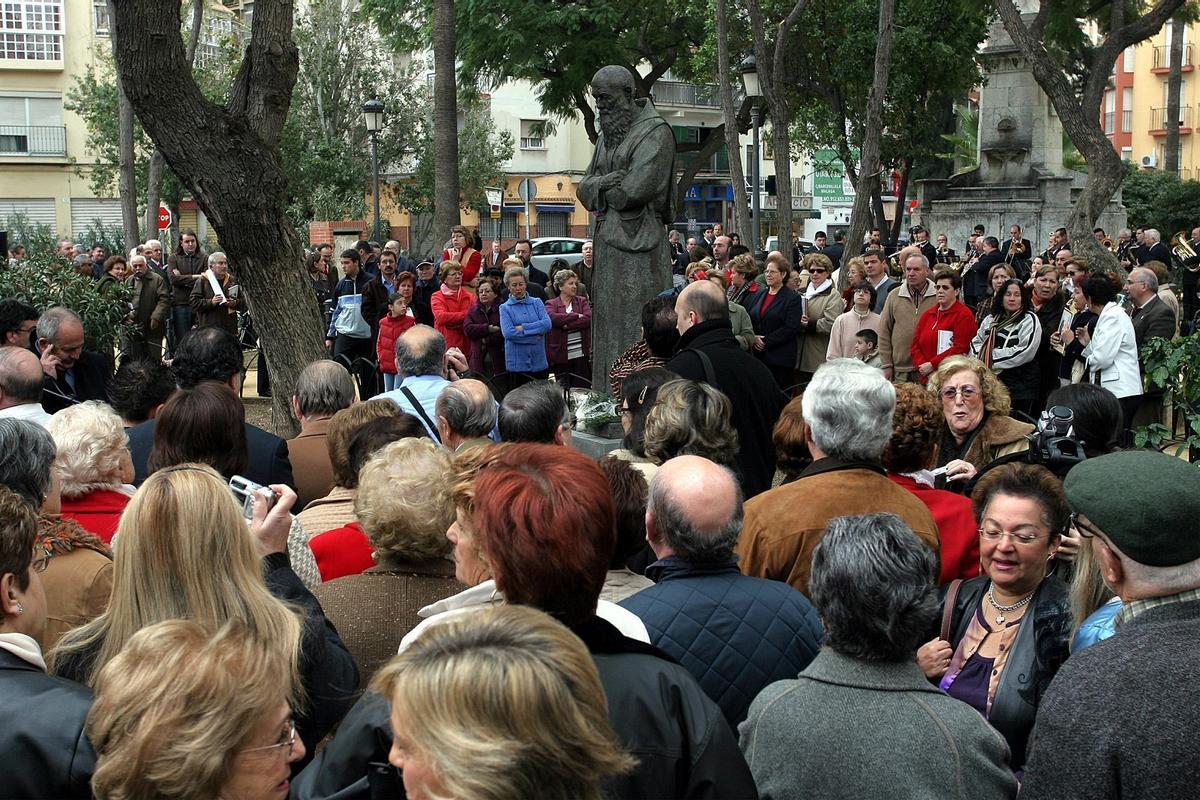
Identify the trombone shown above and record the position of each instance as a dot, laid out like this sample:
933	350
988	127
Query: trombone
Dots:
1016	251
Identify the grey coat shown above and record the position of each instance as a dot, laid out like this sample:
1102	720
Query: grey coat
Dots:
853	729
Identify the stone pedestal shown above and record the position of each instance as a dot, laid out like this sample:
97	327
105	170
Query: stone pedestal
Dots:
1020	177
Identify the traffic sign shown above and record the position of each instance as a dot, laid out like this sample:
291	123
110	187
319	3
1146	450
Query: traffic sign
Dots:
527	190
164	218
494	197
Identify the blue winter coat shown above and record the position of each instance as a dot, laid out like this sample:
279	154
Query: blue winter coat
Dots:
524	351
735	633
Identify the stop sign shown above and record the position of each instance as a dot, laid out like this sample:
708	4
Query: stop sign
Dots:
164	218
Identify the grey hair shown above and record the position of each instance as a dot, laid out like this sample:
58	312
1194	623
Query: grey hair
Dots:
533	413
872	583
689	542
1156	581
13	383
561	277
324	387
1125	232
27	454
463	414
52	319
1153	234
212	258
154	242
690	418
919	255
513	272
412	362
1149	277
848	406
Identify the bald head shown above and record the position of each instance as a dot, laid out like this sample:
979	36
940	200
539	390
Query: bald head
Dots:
613	78
20	377
700	302
465	410
694	511
420	351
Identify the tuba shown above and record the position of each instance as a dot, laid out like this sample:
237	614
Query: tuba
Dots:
1181	248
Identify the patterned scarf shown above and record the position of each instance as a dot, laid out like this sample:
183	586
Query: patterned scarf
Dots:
61	536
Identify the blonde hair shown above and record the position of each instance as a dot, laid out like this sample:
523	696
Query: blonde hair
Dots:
403	500
1088	590
690	418
342	427
743	265
176	704
853	264
822	260
185	553
996	398
92	445
504	703
448	266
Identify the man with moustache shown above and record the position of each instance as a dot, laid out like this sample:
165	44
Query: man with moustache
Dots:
628	186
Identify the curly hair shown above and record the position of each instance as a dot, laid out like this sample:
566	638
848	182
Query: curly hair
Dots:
791	449
743	265
403	500
92	447
1028	481
561	277
855	263
342	427
916	425
447	267
819	259
996	398
690	418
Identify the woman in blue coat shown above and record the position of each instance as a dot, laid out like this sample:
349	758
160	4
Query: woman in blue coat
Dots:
524	323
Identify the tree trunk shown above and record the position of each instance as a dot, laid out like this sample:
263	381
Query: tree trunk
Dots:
901	198
228	158
868	173
445	120
1174	84
126	159
1079	112
880	216
737	174
782	142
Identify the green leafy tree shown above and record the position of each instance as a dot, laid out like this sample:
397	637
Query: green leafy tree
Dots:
1141	191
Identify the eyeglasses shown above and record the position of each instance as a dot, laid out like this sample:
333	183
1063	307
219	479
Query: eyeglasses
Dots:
967	392
1023	539
286	739
1085	530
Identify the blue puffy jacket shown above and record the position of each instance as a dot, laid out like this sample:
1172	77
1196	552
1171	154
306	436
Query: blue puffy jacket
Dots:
735	633
525	351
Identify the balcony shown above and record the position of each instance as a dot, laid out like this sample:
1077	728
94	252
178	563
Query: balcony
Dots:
677	93
1158	125
33	140
1162	59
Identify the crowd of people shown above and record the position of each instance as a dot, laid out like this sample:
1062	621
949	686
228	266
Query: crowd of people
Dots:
843	515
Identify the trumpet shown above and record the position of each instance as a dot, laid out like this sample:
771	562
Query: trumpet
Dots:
1109	245
1181	248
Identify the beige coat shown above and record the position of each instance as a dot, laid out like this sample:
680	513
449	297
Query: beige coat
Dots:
898	324
822	310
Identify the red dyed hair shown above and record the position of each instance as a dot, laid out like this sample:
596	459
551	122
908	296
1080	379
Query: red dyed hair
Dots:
544	519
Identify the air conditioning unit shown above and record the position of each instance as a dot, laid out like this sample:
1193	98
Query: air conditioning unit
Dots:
1150	160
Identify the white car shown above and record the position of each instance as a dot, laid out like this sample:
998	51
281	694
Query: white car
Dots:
547	249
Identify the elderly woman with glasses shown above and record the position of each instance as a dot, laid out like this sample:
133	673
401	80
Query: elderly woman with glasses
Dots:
822	305
1007	631
184	712
978	430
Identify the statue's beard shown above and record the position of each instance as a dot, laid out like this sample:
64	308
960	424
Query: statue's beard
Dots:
615	123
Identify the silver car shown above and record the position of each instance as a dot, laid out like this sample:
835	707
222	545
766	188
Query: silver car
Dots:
548	249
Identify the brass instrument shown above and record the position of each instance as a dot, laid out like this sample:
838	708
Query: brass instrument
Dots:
1181	248
1109	245
1016	251
894	265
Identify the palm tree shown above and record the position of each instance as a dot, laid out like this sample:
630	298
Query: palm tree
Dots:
445	120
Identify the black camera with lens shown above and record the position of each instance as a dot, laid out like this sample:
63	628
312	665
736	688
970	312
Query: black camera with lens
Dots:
1053	444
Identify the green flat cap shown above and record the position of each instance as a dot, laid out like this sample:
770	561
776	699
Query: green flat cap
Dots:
1147	503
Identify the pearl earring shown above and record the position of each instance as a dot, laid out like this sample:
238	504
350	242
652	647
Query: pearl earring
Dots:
20	608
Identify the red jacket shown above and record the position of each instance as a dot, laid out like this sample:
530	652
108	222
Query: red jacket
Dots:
98	511
342	551
449	313
470	265
958	320
956	527
390	329
580	319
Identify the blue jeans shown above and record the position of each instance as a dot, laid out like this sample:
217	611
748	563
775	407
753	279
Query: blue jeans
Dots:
390	381
182	319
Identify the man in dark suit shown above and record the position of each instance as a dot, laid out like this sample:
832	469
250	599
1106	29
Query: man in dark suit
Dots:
1022	256
1151	318
213	354
944	254
1152	249
837	249
920	238
71	374
1191	281
975	281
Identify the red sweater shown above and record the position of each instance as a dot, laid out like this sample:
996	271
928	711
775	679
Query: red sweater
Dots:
390	329
449	313
958	320
342	551
956	527
471	264
97	512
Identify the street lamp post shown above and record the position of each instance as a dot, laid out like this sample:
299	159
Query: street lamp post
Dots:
373	116
750	81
